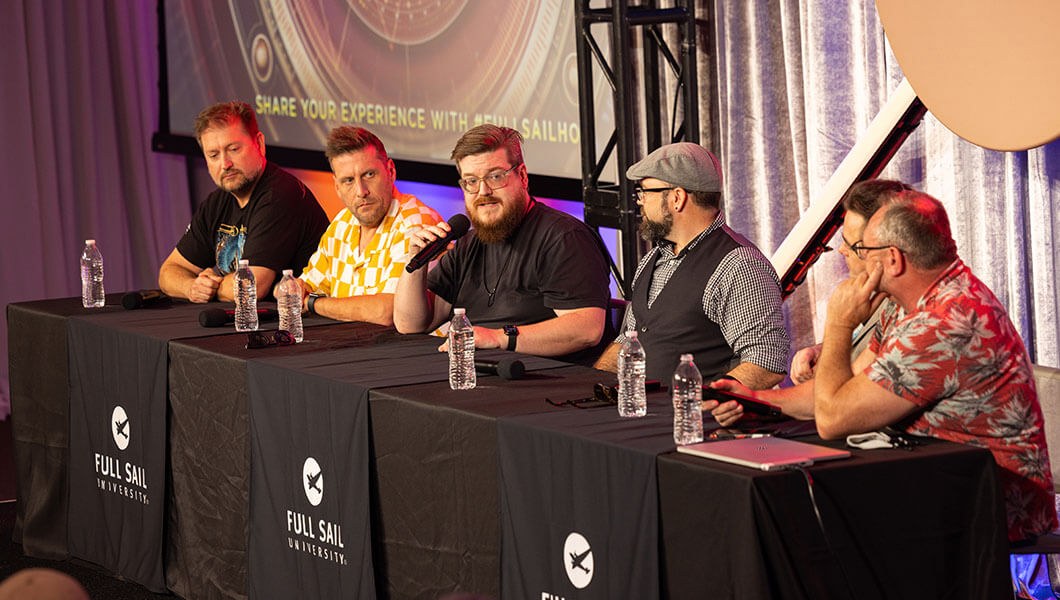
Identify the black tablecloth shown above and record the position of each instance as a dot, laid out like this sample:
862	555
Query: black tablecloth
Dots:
437	502
208	507
579	502
921	524
40	401
927	523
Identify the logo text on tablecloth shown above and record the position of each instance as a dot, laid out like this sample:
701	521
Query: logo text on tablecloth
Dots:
315	536
114	475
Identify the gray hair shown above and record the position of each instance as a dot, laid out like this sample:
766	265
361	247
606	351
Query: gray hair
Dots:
917	224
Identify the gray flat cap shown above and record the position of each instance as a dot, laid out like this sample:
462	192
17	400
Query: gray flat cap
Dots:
683	164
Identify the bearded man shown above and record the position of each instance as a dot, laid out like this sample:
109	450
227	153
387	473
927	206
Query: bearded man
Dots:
532	279
258	212
703	289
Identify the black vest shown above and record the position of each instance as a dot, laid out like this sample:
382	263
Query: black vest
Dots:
675	324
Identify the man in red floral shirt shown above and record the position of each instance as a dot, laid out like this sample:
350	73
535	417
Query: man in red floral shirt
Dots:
946	361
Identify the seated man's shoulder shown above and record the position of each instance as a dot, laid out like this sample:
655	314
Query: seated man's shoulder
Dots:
557	222
284	186
413	211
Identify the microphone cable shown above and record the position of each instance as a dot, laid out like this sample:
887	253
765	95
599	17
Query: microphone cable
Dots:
824	531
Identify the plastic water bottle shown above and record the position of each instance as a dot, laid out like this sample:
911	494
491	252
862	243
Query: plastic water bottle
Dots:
289	299
631	396
461	352
688	397
246	293
92	294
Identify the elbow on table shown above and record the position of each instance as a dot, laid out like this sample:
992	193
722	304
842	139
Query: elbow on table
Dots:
403	324
830	428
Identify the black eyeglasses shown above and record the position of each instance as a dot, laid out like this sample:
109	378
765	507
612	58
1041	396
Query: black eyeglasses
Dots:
853	247
494	181
862	250
264	339
603	395
640	191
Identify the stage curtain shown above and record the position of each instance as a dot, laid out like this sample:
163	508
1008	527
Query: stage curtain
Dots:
796	83
79	104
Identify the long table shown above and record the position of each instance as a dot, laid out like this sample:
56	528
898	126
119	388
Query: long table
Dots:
445	483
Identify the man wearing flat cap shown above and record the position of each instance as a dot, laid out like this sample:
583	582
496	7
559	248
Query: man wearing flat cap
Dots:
703	288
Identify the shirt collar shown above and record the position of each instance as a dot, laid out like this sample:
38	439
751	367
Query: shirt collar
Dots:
667	247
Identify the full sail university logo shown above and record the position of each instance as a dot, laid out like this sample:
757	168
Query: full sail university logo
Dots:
308	533
115	476
313	481
578	560
120	427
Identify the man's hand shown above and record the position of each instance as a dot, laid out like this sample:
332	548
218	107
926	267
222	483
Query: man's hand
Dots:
204	287
419	238
727	413
804	363
855	299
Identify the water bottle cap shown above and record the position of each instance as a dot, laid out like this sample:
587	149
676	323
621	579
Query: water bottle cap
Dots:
288	272
459	311
90	242
244	262
686	358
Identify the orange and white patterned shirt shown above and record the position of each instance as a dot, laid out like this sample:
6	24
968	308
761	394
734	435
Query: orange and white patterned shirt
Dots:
340	270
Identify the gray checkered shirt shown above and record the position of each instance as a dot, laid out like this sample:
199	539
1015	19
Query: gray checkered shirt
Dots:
742	297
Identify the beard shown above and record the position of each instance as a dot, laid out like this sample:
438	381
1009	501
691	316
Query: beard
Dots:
656	232
371	215
501	228
239	185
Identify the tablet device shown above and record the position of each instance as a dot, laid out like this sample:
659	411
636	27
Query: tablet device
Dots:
751	405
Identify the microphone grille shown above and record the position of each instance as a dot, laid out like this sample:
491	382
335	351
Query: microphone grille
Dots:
460	224
510	368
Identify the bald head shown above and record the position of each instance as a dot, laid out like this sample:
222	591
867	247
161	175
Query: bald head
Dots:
41	584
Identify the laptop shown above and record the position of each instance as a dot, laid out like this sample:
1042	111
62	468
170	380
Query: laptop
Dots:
765	453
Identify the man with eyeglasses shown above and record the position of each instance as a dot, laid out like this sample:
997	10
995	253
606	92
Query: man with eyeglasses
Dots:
860	202
353	274
946	361
703	289
532	279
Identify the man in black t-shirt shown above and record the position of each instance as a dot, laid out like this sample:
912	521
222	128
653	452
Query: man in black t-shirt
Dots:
259	212
532	278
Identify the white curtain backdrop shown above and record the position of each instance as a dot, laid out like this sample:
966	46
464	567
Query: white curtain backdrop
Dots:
78	106
797	82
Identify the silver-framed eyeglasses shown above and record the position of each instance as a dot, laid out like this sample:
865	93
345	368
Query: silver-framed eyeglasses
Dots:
493	181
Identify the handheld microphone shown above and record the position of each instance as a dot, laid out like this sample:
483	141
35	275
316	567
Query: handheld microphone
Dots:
144	299
507	368
219	317
459	224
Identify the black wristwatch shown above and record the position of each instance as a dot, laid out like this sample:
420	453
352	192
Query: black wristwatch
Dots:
310	302
513	333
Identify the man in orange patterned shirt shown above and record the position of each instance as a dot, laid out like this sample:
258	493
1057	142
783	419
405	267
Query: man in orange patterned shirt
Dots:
354	272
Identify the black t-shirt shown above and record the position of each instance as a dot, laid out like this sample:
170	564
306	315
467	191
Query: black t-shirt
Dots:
552	261
279	228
